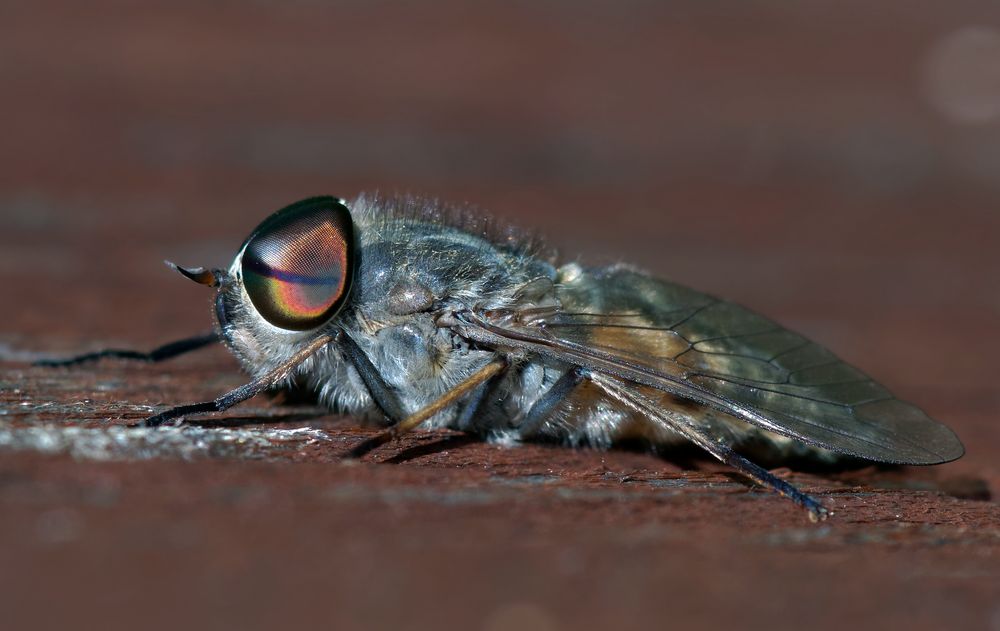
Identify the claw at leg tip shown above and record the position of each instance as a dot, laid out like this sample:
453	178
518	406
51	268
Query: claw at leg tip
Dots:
818	514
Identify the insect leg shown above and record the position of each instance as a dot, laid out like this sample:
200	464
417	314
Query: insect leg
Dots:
245	391
540	410
478	378
762	476
158	354
682	425
482	393
381	393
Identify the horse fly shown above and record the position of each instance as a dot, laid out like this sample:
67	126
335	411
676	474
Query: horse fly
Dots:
409	313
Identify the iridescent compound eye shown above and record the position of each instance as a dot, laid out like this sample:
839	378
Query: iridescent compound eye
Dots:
297	265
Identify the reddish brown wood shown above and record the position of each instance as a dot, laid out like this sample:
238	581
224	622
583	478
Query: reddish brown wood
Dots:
785	157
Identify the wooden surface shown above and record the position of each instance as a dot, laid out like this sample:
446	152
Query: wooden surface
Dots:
834	168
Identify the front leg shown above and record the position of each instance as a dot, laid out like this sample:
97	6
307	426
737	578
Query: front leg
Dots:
158	354
246	391
385	398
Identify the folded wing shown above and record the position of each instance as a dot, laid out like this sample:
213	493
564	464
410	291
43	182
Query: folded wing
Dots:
722	355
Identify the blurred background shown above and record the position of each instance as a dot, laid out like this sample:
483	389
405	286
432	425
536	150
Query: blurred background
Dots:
832	165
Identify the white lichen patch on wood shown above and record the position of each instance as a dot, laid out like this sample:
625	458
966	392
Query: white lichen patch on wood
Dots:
141	443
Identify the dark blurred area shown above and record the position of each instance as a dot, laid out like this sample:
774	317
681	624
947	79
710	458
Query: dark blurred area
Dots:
833	166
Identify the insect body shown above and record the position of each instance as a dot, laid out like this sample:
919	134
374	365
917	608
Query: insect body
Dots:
405	312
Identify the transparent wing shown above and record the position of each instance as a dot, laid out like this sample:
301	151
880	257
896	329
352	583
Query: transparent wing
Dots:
625	323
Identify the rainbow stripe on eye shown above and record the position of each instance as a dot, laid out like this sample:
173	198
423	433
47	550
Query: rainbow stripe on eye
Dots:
295	294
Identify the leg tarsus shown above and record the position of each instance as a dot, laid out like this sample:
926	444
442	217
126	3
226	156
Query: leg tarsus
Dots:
224	402
158	354
760	475
682	425
244	392
180	412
